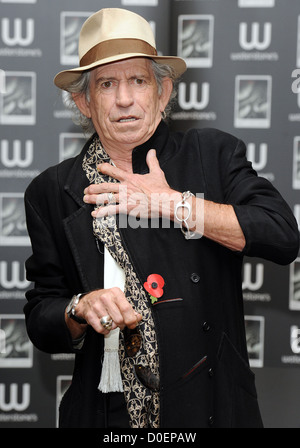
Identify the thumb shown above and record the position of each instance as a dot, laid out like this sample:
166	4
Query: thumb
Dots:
152	160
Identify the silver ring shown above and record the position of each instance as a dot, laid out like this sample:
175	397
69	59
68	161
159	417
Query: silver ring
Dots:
106	322
111	198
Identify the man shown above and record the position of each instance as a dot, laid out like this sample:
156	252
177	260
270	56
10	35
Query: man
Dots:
138	246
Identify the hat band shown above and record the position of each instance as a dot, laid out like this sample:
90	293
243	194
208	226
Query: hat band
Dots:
115	47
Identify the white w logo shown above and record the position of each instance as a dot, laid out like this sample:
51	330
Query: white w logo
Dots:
16	158
193	102
254	43
259	277
259	164
17	36
13	404
15	281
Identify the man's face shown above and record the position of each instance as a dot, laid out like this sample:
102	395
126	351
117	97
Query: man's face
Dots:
124	104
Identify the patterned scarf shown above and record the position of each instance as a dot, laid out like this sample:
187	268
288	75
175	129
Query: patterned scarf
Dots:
142	404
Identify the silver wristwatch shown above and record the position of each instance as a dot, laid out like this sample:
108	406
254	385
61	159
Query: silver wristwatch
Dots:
71	309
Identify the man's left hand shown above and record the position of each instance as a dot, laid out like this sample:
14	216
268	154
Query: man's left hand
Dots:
148	195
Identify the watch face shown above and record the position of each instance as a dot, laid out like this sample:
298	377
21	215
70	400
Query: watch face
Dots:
71	309
70	306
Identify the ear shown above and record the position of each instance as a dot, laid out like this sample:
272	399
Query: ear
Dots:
82	104
167	87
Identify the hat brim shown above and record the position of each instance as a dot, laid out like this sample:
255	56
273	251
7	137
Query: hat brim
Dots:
64	78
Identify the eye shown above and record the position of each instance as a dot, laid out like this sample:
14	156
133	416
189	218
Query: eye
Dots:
106	84
139	81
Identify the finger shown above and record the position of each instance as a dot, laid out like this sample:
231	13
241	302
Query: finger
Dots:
119	309
103	304
106	210
112	171
106	198
93	320
152	160
104	187
98	194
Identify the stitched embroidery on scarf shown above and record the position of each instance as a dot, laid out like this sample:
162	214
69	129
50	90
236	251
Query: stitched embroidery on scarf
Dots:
143	404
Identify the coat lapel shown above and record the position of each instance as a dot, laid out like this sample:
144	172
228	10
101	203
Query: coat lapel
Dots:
78	228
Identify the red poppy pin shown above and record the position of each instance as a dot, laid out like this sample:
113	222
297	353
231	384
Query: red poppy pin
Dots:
154	286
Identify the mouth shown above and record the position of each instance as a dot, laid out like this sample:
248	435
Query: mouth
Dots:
127	119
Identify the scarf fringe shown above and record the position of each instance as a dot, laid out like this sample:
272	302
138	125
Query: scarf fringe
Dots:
111	380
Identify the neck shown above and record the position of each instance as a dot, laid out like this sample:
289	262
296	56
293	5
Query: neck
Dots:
121	153
122	162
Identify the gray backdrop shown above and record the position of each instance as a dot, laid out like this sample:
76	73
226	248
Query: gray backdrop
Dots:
243	77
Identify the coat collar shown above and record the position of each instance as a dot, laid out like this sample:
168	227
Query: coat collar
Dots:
77	181
159	142
82	242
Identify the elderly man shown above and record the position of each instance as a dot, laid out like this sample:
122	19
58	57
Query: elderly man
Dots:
138	246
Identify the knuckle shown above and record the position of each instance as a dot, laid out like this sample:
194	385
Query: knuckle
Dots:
125	308
116	291
118	321
105	298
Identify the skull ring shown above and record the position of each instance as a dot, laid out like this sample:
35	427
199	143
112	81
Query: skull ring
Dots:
106	322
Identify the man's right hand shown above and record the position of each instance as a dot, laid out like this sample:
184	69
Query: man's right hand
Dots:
99	303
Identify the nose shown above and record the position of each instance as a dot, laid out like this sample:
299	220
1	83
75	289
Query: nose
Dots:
124	96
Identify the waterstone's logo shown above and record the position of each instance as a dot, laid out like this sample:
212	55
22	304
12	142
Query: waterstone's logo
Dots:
193	99
17	32
18	100
195	40
255	39
252	283
13	280
255	42
252	106
17	35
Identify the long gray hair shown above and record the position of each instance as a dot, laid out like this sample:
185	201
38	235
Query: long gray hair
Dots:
82	86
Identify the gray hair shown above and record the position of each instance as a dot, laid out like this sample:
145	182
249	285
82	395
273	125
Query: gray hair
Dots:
82	86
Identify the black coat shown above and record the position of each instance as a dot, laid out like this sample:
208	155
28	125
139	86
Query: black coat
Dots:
205	375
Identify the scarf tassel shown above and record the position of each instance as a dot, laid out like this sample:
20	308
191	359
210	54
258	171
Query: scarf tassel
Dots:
111	380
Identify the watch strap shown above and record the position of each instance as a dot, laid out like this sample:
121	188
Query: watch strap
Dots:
72	312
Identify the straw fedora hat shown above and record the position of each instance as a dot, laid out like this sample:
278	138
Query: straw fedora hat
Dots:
114	34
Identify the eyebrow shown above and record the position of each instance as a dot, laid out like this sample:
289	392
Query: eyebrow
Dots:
113	78
104	78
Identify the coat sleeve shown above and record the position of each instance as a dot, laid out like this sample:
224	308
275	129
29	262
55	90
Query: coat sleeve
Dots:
269	226
44	311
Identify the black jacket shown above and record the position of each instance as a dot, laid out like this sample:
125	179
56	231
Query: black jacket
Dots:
205	375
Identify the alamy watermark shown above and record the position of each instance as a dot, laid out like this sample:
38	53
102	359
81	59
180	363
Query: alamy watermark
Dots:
136	210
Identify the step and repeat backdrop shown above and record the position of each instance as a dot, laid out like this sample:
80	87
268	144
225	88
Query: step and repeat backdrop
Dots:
243	77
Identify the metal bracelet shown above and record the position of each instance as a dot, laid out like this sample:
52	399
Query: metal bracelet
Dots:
184	227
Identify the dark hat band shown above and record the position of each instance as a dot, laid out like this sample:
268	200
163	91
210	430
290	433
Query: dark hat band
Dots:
116	47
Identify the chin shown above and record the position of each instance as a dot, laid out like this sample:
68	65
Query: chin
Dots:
133	135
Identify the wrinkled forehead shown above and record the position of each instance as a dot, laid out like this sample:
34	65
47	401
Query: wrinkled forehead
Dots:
127	67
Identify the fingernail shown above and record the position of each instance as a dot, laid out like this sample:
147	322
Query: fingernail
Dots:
97	213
